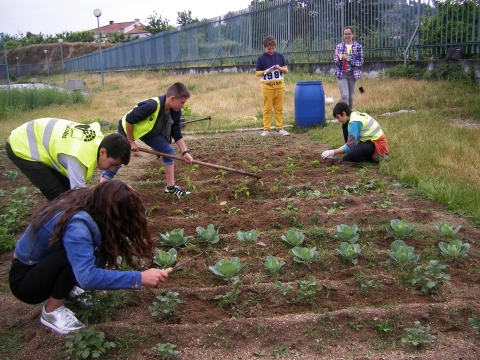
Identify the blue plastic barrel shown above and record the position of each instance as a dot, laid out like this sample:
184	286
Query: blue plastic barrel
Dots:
309	104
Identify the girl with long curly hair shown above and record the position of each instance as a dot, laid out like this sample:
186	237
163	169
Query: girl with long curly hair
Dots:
76	240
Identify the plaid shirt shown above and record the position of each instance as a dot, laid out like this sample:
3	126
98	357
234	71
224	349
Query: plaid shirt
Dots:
356	62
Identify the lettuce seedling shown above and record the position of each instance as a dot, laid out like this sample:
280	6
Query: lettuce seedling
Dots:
248	237
273	264
400	229
456	250
174	238
304	255
209	235
347	233
164	259
294	238
349	252
227	269
401	253
446	229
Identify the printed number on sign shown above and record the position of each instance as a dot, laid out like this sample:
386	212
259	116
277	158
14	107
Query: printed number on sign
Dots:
274	75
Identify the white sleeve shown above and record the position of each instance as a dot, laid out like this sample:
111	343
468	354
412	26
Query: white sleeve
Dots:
75	169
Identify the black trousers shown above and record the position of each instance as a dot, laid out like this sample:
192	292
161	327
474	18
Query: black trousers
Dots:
363	151
50	182
52	276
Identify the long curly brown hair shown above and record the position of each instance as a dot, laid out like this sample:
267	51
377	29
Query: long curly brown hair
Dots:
119	214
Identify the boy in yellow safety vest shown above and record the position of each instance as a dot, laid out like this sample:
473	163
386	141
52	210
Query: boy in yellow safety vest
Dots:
57	155
365	139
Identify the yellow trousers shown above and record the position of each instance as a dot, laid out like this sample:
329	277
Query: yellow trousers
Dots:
273	99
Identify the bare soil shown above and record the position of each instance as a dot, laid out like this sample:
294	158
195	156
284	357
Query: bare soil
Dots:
344	320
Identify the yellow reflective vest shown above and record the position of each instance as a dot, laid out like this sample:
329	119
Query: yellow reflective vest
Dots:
44	139
143	127
371	130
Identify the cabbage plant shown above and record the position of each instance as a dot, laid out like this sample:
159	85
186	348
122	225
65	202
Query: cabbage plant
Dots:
227	269
401	253
164	259
349	252
400	229
347	233
208	235
446	229
293	237
174	238
304	255
273	264
455	250
248	237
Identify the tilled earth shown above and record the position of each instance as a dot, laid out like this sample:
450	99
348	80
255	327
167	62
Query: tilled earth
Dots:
361	311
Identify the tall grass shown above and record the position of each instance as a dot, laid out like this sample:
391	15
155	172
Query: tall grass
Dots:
433	147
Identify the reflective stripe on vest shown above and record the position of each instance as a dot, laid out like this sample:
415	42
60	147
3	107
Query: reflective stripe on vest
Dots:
371	129
144	126
32	142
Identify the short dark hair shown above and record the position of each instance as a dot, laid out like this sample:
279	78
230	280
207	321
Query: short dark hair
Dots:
341	107
269	41
117	146
179	90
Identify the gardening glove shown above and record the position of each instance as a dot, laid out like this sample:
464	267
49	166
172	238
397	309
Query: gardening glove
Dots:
328	154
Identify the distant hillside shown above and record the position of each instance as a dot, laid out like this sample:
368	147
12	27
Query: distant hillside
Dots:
35	53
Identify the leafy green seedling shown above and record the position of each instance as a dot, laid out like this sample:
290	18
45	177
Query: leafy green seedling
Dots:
474	323
227	269
402	254
349	252
456	250
446	229
248	237
164	304
166	350
83	344
400	229
304	255
294	238
430	277
418	335
174	238
208	235
164	259
273	264
347	233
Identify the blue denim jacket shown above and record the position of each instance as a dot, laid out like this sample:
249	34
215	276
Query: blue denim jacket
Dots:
81	240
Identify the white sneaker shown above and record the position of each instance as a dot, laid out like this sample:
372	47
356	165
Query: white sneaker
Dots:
78	297
62	320
265	133
283	132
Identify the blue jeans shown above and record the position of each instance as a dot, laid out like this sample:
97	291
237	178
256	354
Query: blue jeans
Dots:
346	85
157	143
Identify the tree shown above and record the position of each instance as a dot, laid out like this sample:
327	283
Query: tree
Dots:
185	18
156	24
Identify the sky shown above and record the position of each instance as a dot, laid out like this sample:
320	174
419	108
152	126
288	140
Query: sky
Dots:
50	17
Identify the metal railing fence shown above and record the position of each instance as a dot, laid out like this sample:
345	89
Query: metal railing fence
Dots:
306	31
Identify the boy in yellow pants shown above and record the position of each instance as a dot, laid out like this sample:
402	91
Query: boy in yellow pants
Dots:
271	67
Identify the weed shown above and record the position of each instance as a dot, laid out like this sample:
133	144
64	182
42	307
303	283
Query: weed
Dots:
281	350
418	335
165	304
166	351
430	277
229	300
105	305
82	344
474	322
356	326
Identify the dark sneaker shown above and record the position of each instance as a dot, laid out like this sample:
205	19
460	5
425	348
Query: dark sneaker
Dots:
378	157
175	190
78	297
62	320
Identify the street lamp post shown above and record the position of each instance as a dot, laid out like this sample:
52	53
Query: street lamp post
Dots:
61	54
98	13
48	67
18	70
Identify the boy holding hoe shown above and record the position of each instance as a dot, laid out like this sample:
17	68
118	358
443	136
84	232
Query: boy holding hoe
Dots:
365	139
156	121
